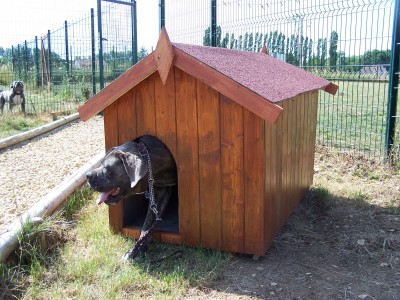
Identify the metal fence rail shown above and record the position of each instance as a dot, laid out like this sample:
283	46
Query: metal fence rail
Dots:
348	42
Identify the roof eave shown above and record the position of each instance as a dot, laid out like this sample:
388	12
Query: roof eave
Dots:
118	87
331	88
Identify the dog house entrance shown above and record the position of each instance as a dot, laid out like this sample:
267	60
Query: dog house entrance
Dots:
135	210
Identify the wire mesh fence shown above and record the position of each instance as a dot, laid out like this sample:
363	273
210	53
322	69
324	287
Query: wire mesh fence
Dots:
348	42
60	70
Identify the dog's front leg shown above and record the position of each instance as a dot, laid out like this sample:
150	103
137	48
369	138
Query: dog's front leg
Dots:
11	104
3	102
162	196
23	104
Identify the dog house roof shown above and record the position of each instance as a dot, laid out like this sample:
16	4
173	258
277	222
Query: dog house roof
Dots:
254	80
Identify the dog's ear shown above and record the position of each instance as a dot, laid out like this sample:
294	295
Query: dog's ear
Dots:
135	166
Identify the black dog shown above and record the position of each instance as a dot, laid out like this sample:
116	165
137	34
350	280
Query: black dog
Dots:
144	165
14	97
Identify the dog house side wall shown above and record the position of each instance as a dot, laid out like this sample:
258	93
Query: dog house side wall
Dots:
290	147
219	149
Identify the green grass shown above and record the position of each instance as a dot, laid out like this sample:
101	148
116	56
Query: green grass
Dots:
86	263
355	118
15	123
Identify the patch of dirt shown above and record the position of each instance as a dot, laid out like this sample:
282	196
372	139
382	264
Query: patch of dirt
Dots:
342	242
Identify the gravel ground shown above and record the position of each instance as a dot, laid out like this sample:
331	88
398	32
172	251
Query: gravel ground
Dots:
28	172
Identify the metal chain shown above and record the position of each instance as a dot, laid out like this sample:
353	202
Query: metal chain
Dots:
150	193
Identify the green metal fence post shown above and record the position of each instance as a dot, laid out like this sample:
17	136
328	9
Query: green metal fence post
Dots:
393	82
37	62
19	61
93	52
13	58
66	48
26	61
161	14
134	33
100	30
213	31
50	65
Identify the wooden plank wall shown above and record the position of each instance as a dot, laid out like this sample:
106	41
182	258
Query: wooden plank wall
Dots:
239	177
290	147
232	172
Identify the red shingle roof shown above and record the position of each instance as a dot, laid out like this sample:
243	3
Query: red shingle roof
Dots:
267	76
254	80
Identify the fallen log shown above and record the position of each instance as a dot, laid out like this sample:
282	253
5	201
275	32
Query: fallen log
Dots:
46	206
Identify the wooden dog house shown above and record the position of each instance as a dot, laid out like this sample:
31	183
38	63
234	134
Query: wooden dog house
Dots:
241	127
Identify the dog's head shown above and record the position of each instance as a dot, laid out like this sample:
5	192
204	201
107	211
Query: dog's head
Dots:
119	174
17	87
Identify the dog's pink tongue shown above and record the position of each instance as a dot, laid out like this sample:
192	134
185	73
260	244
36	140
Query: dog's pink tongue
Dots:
102	197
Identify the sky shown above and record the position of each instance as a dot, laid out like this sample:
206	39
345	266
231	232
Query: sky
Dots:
24	19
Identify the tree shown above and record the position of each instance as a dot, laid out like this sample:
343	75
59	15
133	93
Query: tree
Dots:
250	42
207	36
240	43
377	57
259	42
274	42
291	56
323	52
281	43
305	51
310	49
255	48
245	42
233	41
333	50
142	53
266	40
225	41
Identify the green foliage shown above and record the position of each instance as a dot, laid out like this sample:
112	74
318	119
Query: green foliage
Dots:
5	78
207	36
377	57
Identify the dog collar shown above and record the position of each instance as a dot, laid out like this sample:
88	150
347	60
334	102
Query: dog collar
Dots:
149	194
